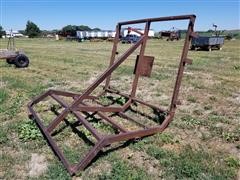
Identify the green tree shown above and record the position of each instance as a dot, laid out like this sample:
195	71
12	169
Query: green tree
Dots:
71	29
96	29
83	28
2	32
22	32
32	30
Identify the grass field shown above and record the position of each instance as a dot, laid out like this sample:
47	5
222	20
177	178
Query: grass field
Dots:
202	142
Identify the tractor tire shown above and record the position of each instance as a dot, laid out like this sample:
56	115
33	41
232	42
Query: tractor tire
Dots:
21	61
10	60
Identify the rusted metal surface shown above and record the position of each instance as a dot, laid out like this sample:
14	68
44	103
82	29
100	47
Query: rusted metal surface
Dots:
134	30
77	107
145	68
172	35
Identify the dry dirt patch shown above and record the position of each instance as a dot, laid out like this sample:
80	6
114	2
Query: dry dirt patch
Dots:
37	165
141	160
236	98
102	168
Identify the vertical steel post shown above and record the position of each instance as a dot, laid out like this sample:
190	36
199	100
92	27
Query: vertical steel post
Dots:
181	65
141	54
114	51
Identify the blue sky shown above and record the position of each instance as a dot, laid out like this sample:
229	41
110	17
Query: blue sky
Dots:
53	14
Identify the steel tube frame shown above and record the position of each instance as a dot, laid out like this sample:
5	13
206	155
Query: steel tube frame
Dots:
77	107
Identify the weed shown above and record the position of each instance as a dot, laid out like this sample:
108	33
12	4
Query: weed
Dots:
192	164
207	107
15	82
236	67
71	155
198	85
213	98
104	100
165	157
14	108
121	170
141	143
3	136
166	138
86	133
231	136
160	76
36	90
56	107
120	100
213	118
6	161
232	162
238	146
192	99
3	96
188	121
56	171
197	112
189	164
29	131
104	127
124	70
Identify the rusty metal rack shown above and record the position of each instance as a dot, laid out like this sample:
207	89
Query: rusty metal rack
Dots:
77	107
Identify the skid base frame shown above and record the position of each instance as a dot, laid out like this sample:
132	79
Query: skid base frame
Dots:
78	106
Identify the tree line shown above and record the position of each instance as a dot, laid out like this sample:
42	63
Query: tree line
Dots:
32	30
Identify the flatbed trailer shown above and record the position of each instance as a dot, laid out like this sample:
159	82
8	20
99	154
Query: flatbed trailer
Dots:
207	42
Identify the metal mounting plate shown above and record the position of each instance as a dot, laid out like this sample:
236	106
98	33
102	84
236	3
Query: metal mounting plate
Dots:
144	66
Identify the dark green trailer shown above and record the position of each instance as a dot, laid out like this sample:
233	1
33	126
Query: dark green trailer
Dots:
207	42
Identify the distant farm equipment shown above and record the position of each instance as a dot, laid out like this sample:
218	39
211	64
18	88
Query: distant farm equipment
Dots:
172	34
13	56
130	38
135	31
208	42
133	35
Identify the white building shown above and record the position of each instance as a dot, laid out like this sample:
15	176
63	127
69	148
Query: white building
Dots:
95	34
13	33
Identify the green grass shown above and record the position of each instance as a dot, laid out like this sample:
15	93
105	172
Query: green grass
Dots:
190	148
3	136
55	171
122	170
3	96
